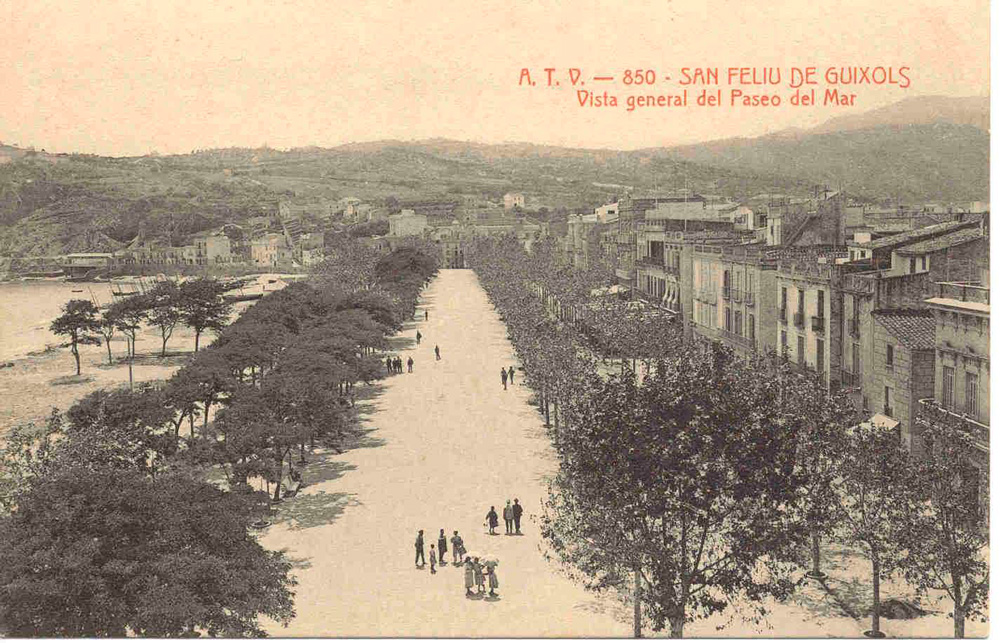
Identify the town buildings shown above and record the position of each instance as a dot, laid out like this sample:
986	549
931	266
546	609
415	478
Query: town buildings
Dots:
407	223
513	200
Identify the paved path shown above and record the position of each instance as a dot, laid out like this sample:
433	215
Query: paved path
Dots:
449	442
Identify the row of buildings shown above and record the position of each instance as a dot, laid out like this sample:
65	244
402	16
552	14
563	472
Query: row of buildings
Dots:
891	304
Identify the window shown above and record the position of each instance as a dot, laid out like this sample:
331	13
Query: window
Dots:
948	387
820	303
856	358
738	323
751	331
802	301
801	350
820	357
923	263
887	402
913	264
972	395
729	319
784	303
784	344
889	355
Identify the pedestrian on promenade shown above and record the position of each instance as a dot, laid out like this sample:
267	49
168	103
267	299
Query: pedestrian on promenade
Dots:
503	378
491	575
491	519
425	315
418	336
399	364
510	375
442	547
470	577
437	352
388	365
409	364
517	509
419	544
434	560
457	548
508	519
477	570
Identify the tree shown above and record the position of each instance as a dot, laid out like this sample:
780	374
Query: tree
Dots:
946	534
683	483
129	314
202	306
97	552
164	310
78	322
108	326
874	486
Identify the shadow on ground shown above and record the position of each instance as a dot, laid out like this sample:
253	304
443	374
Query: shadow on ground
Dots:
315	509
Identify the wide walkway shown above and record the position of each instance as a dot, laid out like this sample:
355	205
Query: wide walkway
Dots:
448	443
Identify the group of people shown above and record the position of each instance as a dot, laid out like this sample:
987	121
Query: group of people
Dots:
477	573
394	364
507	374
511	518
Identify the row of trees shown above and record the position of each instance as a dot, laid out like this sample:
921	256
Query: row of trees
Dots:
196	303
704	484
132	513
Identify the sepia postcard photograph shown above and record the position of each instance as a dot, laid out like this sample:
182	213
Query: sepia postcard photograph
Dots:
495	320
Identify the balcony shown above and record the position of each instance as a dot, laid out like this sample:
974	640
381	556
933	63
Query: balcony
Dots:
783	316
726	293
818	323
971	292
854	328
980	432
800	320
737	295
749	298
850	380
738	340
655	262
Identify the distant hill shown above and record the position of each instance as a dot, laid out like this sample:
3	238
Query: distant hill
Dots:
929	148
925	149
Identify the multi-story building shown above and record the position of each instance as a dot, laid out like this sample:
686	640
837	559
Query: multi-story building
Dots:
513	200
407	223
270	250
962	370
213	249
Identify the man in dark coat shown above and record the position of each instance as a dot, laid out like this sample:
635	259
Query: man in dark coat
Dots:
418	336
409	364
425	315
419	544
442	547
518	510
510	375
388	365
503	378
437	352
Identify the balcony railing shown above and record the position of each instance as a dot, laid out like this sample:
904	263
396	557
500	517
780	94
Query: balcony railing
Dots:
800	320
726	292
818	323
749	297
650	261
854	328
972	292
850	380
737	295
979	431
736	339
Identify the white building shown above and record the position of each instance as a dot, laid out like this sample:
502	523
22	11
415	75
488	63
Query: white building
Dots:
607	213
407	223
513	200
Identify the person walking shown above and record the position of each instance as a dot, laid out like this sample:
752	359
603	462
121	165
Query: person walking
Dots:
434	560
425	315
399	365
437	352
491	519
418	336
503	378
442	547
517	510
388	365
457	548
409	364
510	375
470	577
477	570
419	544
508	519
491	575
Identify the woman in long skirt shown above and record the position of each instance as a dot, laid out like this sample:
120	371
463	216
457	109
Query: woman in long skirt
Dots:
470	576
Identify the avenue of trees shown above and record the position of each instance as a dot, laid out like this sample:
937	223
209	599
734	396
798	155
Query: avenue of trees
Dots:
691	479
132	514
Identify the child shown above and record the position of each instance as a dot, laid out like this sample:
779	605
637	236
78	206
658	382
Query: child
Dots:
470	577
434	559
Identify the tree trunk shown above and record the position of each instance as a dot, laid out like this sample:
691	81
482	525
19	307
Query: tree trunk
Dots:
76	356
277	484
815	573
107	343
197	336
208	405
191	418
637	604
676	627
875	633
163	348
959	616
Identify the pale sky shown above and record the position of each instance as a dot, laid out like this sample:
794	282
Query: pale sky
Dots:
124	78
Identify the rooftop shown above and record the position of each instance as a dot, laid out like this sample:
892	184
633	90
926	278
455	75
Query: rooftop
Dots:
905	238
949	240
913	328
